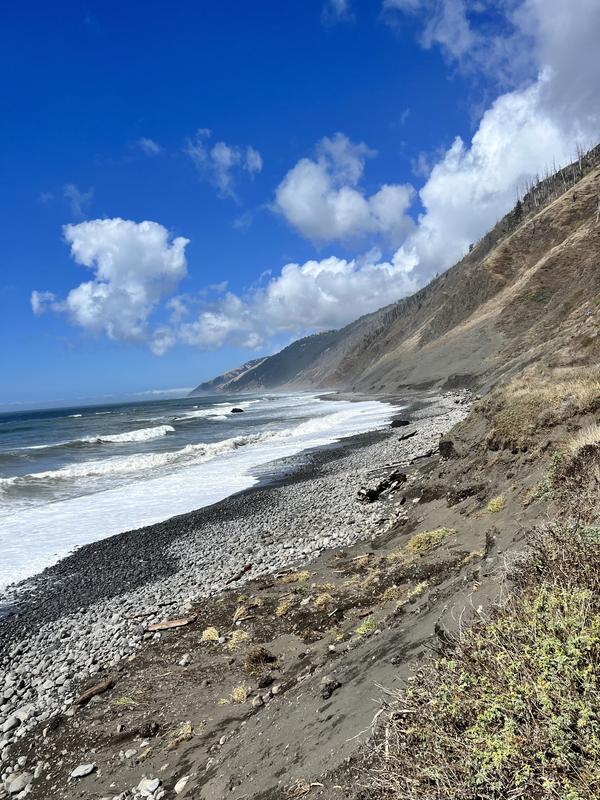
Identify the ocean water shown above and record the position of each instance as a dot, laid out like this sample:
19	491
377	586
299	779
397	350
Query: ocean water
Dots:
76	475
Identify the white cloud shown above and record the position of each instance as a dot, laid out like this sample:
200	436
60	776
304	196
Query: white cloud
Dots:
135	266
316	295
148	146
320	197
219	163
79	201
522	133
337	11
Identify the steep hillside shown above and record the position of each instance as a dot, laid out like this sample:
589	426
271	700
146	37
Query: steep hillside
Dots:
526	290
226	381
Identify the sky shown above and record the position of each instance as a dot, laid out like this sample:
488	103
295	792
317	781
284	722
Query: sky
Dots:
187	185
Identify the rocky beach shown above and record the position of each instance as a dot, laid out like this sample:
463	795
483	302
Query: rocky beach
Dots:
77	624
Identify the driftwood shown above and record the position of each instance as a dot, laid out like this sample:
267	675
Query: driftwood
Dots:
171	623
385	486
98	688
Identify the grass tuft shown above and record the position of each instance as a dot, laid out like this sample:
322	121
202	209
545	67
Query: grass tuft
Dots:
367	627
210	635
428	540
296	577
236	639
496	504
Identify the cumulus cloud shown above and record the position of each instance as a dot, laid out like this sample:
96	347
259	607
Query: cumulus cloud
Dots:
78	200
523	132
322	200
148	146
219	163
316	295
134	265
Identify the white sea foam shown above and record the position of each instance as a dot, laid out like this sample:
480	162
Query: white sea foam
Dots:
144	488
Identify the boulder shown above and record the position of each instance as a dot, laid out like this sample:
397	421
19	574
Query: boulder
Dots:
399	423
237	410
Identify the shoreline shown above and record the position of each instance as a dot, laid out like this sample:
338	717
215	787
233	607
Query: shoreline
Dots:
84	616
253	478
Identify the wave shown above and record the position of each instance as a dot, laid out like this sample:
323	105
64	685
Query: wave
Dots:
139	435
73	416
136	463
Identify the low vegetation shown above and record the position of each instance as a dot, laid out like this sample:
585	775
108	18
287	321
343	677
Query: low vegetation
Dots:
496	504
511	710
537	399
427	540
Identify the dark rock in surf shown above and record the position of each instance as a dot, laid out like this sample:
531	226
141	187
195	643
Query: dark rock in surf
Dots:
237	411
399	423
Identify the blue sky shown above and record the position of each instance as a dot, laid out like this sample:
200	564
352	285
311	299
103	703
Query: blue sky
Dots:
321	135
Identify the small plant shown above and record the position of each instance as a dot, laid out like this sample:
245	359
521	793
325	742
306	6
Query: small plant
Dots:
367	627
209	635
283	607
236	639
496	504
413	593
124	701
323	601
393	592
239	694
428	540
257	659
296	577
181	734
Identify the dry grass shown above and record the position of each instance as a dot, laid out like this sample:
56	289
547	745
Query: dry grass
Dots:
574	483
237	638
496	504
511	711
392	593
183	733
426	541
284	606
534	400
257	659
323	601
589	436
241	613
413	593
239	694
296	577
210	635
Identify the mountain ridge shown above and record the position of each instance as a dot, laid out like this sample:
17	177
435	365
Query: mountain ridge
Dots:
527	278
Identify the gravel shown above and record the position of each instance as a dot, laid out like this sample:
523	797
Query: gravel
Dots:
90	611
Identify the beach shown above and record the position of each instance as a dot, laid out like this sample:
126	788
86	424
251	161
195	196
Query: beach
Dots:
85	617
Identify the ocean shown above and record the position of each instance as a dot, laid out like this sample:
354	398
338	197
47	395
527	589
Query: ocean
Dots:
76	475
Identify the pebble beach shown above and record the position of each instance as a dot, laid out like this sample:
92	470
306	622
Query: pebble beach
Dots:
79	619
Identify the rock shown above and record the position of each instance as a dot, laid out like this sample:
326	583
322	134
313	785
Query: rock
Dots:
149	729
181	784
184	660
10	723
147	786
399	423
18	781
82	770
129	753
446	448
257	701
328	686
237	410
